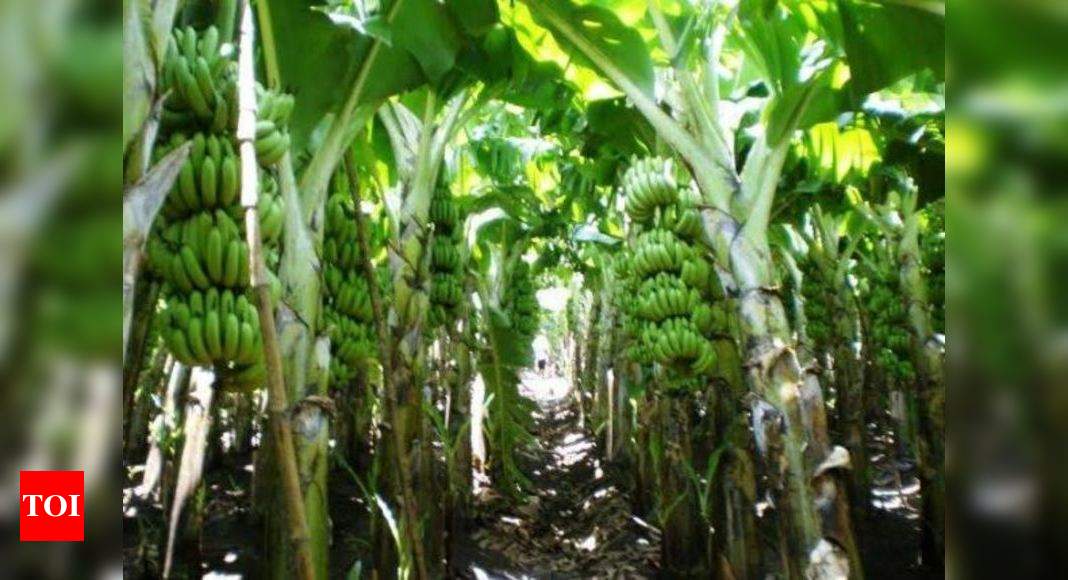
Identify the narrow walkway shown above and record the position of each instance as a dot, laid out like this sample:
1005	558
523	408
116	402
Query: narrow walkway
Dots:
578	523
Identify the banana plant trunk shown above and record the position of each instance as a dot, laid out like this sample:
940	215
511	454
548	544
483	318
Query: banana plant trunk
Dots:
305	360
682	543
297	320
459	426
788	416
849	389
930	395
736	493
413	480
144	308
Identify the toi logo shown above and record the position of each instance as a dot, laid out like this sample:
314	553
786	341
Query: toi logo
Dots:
51	506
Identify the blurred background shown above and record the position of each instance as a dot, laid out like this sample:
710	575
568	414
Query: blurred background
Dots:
1007	241
60	261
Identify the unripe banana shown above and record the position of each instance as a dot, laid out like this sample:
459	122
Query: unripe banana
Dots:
196	303
246	350
269	144
202	75
178	276
265	128
212	336
195	335
191	90
232	265
231	336
213	254
192	268
180	313
179	346
226	303
211	300
187	186
243	265
208	183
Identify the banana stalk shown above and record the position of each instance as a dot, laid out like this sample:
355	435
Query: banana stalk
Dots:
277	402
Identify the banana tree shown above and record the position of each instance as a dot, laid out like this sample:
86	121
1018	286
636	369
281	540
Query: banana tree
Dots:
343	63
832	323
811	59
898	222
501	240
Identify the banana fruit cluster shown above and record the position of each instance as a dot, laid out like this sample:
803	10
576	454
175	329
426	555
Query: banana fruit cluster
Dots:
520	301
204	251
890	339
212	328
669	315
208	180
815	293
272	121
200	78
659	250
446	260
347	312
683	217
649	184
197	246
665	296
350	294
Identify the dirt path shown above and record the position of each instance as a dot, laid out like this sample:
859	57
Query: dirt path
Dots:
576	524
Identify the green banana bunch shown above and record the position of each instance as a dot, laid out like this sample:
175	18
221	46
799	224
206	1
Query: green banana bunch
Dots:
446	260
348	315
519	300
890	339
272	217
677	341
198	79
660	251
697	273
703	319
203	251
666	284
353	298
446	291
272	125
211	327
443	214
707	362
816	293
668	303
688	225
341	219
209	179
649	184
444	257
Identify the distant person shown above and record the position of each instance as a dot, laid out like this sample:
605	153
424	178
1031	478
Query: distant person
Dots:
541	353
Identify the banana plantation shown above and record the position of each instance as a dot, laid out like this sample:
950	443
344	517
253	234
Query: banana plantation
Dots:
534	289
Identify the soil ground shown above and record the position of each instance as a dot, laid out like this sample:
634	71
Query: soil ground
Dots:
575	520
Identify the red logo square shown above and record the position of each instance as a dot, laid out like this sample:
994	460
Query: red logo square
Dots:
51	506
